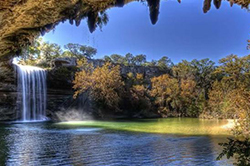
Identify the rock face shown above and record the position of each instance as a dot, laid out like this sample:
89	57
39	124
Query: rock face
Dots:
67	62
62	106
8	94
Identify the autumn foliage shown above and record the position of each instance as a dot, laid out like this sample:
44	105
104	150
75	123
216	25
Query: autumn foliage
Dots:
104	84
191	89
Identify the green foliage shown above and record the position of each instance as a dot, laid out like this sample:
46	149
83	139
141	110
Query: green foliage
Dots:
203	74
117	59
164	63
175	97
35	49
63	72
43	53
237	148
150	64
231	95
107	59
50	51
79	51
129	59
166	92
139	60
201	71
232	86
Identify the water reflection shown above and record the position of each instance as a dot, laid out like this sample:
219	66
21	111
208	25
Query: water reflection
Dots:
45	144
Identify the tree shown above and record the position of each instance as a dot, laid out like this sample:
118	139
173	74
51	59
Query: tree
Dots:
139	94
139	59
234	75
235	71
107	59
50	51
103	83
230	95
199	70
238	147
31	53
117	58
203	73
164	63
188	105
35	49
239	101
183	70
129	59
165	91
218	100
66	53
80	51
150	64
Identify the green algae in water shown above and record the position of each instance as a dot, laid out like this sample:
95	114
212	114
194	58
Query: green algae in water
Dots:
180	126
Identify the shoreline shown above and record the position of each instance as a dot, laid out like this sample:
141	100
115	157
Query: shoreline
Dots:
229	125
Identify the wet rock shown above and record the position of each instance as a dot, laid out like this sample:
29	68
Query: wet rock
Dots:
8	95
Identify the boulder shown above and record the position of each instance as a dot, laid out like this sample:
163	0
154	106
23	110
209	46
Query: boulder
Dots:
65	62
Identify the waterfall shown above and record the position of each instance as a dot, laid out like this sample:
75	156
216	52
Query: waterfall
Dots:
32	96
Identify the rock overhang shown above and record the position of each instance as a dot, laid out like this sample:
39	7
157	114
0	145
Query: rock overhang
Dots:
21	21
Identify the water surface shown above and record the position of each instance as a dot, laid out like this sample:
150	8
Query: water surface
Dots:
144	142
182	126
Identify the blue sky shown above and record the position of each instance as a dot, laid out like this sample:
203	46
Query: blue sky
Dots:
183	31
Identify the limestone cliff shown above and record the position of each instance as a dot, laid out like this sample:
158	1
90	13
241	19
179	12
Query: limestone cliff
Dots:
60	93
8	93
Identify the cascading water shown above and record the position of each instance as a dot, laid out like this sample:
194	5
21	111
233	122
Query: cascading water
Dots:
32	92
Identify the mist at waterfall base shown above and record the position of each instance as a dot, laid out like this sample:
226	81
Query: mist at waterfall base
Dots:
79	109
73	115
32	93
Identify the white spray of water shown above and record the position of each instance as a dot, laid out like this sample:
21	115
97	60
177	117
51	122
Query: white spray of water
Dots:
33	92
72	115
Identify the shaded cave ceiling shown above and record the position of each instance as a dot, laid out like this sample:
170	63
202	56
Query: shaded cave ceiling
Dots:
21	21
